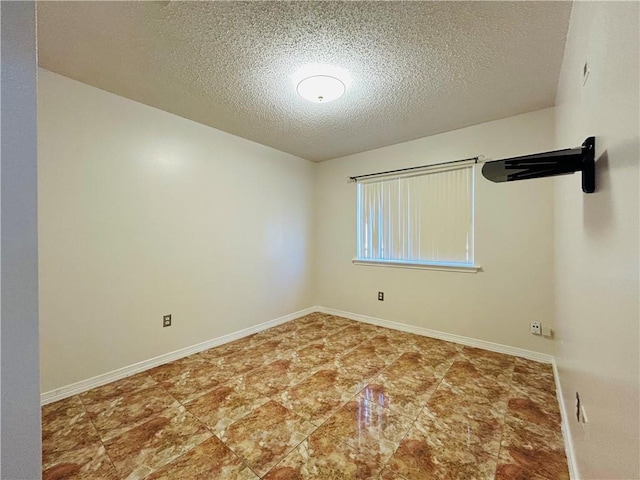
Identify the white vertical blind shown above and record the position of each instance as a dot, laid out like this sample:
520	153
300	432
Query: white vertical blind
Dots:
425	217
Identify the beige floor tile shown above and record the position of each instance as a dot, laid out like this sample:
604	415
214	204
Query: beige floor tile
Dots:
88	462
417	367
265	436
518	433
474	429
276	348
367	427
465	400
277	376
67	407
490	372
473	380
118	388
210	460
66	426
284	330
485	358
423	455
388	474
339	322
226	404
116	415
518	461
312	331
433	346
531	368
142	450
193	382
385	345
348	338
534	414
239	345
234	365
175	369
314	354
322	457
400	395
318	396
368	355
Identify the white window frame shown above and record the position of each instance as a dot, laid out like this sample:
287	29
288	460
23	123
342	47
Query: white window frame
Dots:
466	267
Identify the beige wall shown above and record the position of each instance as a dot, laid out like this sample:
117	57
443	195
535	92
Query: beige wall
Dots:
143	213
596	240
514	241
20	436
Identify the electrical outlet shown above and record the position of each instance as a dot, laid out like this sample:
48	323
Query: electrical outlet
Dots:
381	296
166	321
536	328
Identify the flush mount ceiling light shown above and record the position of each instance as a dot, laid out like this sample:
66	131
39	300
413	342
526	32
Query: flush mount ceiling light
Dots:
321	82
321	88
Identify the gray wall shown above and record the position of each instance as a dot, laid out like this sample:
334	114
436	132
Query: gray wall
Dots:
19	374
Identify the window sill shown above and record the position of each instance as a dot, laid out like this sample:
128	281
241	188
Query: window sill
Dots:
419	266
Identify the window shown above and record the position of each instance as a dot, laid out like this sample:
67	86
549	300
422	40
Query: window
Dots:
419	219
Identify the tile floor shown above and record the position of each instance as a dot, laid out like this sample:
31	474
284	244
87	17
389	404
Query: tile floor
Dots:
321	397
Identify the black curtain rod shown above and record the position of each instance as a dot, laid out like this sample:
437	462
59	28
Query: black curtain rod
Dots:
357	177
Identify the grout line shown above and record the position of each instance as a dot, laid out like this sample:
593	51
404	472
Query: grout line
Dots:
236	455
228	447
504	419
106	452
298	444
214	434
420	412
318	428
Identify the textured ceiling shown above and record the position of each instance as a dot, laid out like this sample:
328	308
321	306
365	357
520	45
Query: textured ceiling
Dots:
416	68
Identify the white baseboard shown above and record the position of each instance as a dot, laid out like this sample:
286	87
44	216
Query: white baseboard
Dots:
449	337
566	433
84	385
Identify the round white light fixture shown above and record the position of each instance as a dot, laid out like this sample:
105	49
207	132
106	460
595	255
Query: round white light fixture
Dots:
321	88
